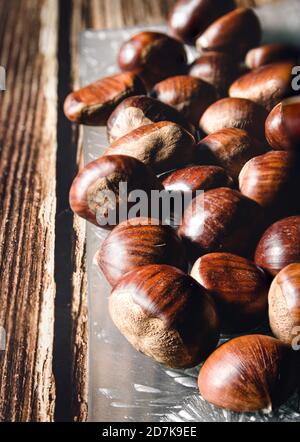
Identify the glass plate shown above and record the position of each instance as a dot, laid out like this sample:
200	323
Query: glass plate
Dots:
123	384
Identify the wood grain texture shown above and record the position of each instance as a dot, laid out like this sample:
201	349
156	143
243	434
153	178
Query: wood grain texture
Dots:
27	208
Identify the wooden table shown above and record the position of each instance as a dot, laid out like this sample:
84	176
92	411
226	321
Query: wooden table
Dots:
43	305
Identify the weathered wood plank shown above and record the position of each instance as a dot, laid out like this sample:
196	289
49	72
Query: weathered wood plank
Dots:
27	207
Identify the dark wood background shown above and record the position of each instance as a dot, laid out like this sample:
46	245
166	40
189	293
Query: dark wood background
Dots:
43	305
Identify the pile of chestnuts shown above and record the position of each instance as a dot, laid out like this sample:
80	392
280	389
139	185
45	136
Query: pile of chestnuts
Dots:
228	125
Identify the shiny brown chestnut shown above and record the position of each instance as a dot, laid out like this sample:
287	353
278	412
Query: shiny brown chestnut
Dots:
279	246
93	104
166	315
138	111
226	222
218	69
193	178
266	85
90	192
250	373
138	242
153	56
236	113
187	94
162	146
189	18
271	53
283	125
273	181
284	304
238	287
235	33
229	148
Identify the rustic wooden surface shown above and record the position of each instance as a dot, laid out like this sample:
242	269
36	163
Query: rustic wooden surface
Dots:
43	305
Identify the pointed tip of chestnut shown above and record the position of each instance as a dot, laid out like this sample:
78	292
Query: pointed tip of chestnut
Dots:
284	304
165	314
279	246
93	104
283	125
236	32
250	373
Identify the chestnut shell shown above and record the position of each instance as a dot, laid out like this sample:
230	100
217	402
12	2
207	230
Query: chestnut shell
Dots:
138	242
166	315
238	287
227	222
279	245
249	373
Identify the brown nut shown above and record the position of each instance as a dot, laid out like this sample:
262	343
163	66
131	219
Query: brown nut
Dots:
266	85
166	315
235	33
229	148
238	287
273	181
88	195
138	242
189	18
193	178
93	104
138	111
284	304
153	56
250	373
271	53
218	69
283	125
227	222
162	146
279	246
236	113
187	94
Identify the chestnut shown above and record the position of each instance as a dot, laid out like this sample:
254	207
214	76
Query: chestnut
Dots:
284	304
235	33
89	194
189	18
229	148
193	178
238	287
138	111
250	373
187	94
162	146
266	85
218	69
153	56
271	53
93	104
283	125
228	221
166	315
279	246
138	242
236	113
272	180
